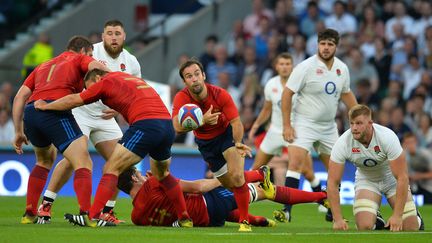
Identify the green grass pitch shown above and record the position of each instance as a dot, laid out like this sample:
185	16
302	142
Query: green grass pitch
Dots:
308	226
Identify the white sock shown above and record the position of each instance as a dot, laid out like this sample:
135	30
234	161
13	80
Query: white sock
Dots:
293	174
50	194
110	203
315	182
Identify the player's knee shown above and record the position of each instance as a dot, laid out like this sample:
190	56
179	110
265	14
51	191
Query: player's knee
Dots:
109	167
46	163
295	165
237	179
365	225
365	205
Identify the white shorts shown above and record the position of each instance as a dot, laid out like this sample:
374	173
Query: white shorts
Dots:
386	186
273	142
97	129
315	135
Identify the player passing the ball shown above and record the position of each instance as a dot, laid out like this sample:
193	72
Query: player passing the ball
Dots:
150	132
219	139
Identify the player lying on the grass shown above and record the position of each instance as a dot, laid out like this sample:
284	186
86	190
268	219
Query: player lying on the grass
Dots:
381	169
207	202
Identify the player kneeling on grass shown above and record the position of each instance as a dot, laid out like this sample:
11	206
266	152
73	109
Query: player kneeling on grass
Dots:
207	202
381	169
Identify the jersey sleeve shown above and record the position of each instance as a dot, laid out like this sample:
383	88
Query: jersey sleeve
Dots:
228	106
297	77
267	91
85	61
30	80
94	93
136	69
346	87
338	153
393	147
178	102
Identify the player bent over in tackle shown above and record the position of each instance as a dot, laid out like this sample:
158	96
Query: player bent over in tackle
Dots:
208	203
381	169
150	132
52	131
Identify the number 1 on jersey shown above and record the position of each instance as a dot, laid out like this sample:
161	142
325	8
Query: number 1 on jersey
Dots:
50	73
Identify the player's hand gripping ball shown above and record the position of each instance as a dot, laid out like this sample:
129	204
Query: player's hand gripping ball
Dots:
190	116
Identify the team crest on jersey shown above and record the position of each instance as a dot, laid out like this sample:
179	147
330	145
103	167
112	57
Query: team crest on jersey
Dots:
319	71
338	72
122	67
355	150
377	149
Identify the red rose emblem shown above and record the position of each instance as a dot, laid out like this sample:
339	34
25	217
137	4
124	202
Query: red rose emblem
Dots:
377	149
122	67
338	72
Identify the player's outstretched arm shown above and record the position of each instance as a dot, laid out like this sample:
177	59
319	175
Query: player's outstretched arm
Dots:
335	173
399	170
286	102
65	103
349	99
263	116
199	186
238	131
17	115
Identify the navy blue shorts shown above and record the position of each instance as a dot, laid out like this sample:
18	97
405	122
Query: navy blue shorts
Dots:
153	136
212	149
220	202
43	128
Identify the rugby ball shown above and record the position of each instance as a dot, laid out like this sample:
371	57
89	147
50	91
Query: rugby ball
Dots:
190	116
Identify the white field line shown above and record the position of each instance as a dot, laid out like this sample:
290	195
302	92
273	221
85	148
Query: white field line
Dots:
334	233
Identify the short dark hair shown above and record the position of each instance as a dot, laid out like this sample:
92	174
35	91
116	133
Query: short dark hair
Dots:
189	63
329	34
125	182
212	37
77	42
284	55
90	75
113	22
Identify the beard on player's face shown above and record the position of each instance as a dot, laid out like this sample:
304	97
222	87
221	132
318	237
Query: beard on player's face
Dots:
115	50
326	56
197	89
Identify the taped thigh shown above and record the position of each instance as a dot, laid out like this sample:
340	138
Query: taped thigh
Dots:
409	210
365	205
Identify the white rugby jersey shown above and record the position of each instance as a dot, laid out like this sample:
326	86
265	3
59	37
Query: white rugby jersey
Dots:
372	162
273	93
125	62
318	89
